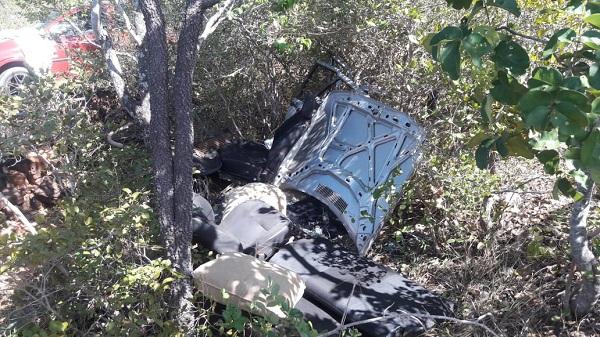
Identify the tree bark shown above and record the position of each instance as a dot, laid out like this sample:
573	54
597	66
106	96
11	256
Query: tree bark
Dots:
181	251
588	289
172	169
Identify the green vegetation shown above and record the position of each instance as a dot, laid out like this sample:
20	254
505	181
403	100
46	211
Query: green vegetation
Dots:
487	79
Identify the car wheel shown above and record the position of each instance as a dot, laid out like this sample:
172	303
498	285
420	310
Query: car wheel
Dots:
12	80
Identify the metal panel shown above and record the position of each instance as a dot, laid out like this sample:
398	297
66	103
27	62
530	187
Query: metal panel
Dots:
354	157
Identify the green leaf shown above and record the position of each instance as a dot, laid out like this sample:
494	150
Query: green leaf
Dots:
593	20
566	120
459	4
449	57
558	40
574	97
567	189
573	113
490	34
590	150
486	109
449	33
550	159
507	89
537	117
592	7
545	76
591	39
477	139
476	46
57	326
533	99
547	140
509	5
426	42
595	109
535	108
510	55
482	154
501	147
578	83
595	173
575	6
285	4
580	177
281	45
594	75
517	146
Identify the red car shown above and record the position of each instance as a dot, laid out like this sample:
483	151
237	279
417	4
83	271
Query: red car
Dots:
45	48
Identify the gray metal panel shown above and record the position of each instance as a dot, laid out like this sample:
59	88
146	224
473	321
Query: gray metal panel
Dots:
355	157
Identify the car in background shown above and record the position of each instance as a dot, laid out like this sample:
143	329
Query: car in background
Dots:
48	47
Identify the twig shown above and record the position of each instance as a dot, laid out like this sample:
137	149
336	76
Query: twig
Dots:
128	26
17	212
348	304
214	21
438	317
533	38
568	288
593	233
82	33
110	135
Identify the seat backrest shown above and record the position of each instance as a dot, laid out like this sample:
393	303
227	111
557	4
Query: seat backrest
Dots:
354	157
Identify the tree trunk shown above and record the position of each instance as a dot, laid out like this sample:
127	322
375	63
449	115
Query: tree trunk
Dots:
172	171
588	289
171	230
181	251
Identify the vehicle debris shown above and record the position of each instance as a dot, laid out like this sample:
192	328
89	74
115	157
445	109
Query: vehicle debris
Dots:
334	168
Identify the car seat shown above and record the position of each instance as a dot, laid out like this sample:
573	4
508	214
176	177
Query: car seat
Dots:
252	227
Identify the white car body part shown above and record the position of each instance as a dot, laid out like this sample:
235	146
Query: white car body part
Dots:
355	157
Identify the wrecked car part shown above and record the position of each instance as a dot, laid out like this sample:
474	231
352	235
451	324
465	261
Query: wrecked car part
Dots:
354	157
246	289
206	161
321	320
201	208
252	227
244	160
286	136
269	194
341	282
313	218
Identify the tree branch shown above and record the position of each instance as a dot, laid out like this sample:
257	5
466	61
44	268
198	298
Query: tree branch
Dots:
582	255
113	64
214	21
128	26
405	314
17	212
533	38
206	4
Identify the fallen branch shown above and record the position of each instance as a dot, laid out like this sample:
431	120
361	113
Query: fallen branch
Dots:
376	319
113	142
17	212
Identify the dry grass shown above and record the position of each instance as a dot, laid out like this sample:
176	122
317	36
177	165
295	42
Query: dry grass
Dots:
511	275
